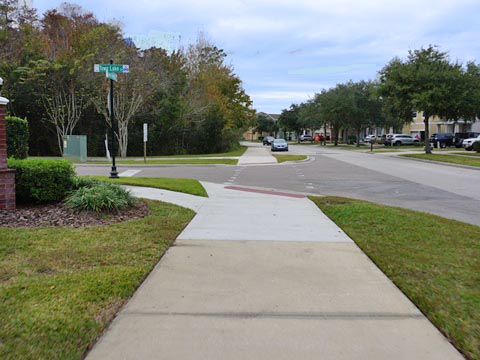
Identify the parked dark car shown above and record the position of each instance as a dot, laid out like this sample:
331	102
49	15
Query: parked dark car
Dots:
445	139
460	136
268	140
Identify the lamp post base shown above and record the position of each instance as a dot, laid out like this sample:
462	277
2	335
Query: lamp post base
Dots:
114	173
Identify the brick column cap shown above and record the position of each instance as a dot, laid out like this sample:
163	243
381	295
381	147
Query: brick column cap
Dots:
4	101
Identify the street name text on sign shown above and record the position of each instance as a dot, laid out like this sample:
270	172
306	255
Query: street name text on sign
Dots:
111	68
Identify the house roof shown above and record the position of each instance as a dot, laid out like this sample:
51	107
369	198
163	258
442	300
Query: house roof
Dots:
274	117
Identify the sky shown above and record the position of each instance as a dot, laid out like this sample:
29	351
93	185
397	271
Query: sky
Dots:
285	51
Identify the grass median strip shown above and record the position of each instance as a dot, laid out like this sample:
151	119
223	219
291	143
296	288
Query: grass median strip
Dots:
60	286
188	186
451	159
175	161
433	260
283	158
466	153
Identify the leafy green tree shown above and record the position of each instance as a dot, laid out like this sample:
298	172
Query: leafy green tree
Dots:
290	119
265	123
365	107
192	99
212	92
334	107
309	115
427	81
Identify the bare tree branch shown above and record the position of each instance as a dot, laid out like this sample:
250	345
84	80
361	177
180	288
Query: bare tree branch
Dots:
64	111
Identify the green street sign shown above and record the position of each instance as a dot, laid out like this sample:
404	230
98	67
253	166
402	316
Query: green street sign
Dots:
111	68
112	75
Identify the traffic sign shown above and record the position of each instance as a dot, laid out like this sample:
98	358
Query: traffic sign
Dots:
111	68
112	75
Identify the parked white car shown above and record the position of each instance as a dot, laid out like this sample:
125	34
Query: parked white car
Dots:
401	139
468	143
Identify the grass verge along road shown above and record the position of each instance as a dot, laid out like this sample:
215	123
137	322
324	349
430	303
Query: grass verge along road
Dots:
448	158
434	261
202	159
60	287
283	158
188	186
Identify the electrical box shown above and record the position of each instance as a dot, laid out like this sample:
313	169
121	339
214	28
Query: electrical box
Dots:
75	148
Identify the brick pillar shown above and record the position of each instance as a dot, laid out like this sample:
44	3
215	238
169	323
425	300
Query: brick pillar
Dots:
7	176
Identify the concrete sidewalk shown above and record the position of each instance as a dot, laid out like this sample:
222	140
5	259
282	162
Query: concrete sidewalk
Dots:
257	154
265	275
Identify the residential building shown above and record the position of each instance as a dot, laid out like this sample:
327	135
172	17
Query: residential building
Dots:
253	135
438	125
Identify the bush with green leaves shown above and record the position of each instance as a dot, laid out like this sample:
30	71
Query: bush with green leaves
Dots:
17	137
476	146
41	181
80	182
100	196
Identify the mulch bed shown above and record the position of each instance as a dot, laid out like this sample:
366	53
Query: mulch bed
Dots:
59	215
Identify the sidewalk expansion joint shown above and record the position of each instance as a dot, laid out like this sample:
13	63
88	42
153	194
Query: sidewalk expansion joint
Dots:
287	316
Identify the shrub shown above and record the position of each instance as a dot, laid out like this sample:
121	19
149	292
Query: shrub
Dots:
476	146
80	182
17	137
42	180
100	197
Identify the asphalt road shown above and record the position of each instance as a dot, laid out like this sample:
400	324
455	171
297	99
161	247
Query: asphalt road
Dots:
446	190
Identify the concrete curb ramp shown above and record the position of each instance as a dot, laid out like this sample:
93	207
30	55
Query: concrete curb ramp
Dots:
268	276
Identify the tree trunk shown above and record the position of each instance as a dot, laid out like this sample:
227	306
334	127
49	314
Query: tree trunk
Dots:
428	149
358	136
335	139
60	142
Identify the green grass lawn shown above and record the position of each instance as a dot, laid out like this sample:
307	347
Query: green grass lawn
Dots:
434	261
283	158
60	286
238	152
174	161
188	186
466	153
304	143
446	158
181	159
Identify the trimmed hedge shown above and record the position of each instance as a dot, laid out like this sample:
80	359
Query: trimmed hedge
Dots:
17	137
476	146
40	181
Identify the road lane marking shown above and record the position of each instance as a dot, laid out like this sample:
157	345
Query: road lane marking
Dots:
129	173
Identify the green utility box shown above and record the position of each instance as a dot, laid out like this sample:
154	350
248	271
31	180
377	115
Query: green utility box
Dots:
75	148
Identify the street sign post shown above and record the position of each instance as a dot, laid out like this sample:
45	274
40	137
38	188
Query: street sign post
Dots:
145	139
111	70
